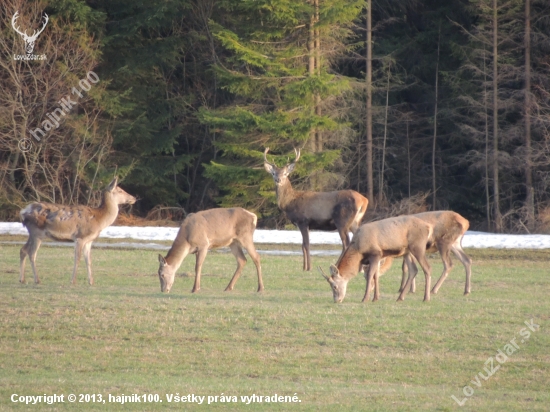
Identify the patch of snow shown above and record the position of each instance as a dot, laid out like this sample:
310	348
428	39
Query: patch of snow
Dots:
471	239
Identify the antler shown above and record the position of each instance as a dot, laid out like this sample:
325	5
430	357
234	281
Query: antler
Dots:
297	155
15	16
35	35
329	280
24	34
265	156
297	151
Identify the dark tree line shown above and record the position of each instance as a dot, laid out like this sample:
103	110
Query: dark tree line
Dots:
419	104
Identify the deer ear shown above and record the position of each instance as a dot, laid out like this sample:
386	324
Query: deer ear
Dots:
162	261
113	184
290	168
334	272
268	167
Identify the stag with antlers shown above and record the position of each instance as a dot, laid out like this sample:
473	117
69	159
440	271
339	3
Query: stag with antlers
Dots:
29	40
339	210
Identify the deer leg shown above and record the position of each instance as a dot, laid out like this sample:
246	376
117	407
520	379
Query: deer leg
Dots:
199	260
444	251
466	261
88	259
369	275
413	270
22	256
31	249
412	289
241	261
78	246
344	236
404	275
384	266
251	249
421	257
305	246
376	285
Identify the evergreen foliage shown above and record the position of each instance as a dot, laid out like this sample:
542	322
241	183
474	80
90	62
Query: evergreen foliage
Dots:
191	92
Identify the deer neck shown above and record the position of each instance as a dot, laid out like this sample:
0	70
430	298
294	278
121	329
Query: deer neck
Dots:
108	211
285	194
350	264
178	251
175	257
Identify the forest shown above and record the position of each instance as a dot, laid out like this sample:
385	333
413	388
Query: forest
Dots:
417	104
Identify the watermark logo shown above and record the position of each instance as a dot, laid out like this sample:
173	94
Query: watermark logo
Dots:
29	40
55	117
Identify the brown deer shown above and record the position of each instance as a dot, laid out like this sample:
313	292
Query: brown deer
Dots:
393	237
340	210
449	228
79	224
211	229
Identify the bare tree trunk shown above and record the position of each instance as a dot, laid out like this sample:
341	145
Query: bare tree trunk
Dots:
383	160
311	68
530	195
318	133
496	195
486	109
408	162
368	80
434	141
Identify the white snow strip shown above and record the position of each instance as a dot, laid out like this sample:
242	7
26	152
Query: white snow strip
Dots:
471	239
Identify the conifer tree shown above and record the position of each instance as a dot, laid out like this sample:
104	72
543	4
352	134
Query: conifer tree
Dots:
276	67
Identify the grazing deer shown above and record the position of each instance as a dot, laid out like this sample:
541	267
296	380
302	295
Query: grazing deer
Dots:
449	228
393	237
340	210
79	224
211	229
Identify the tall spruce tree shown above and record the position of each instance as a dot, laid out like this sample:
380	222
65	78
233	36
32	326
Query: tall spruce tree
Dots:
275	66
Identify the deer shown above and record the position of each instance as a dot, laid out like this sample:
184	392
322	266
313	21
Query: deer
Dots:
80	224
449	229
211	229
340	210
374	241
29	40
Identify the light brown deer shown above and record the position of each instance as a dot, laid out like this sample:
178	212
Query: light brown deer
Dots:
79	224
393	237
340	210
211	229
449	229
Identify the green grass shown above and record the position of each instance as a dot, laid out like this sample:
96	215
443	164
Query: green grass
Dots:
122	336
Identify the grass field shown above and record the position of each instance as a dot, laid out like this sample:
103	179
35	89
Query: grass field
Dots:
122	336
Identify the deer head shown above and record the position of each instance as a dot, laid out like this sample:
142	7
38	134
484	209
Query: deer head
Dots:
280	174
337	282
167	273
118	196
29	40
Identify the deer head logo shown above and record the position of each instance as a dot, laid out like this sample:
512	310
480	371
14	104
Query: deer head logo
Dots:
29	40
